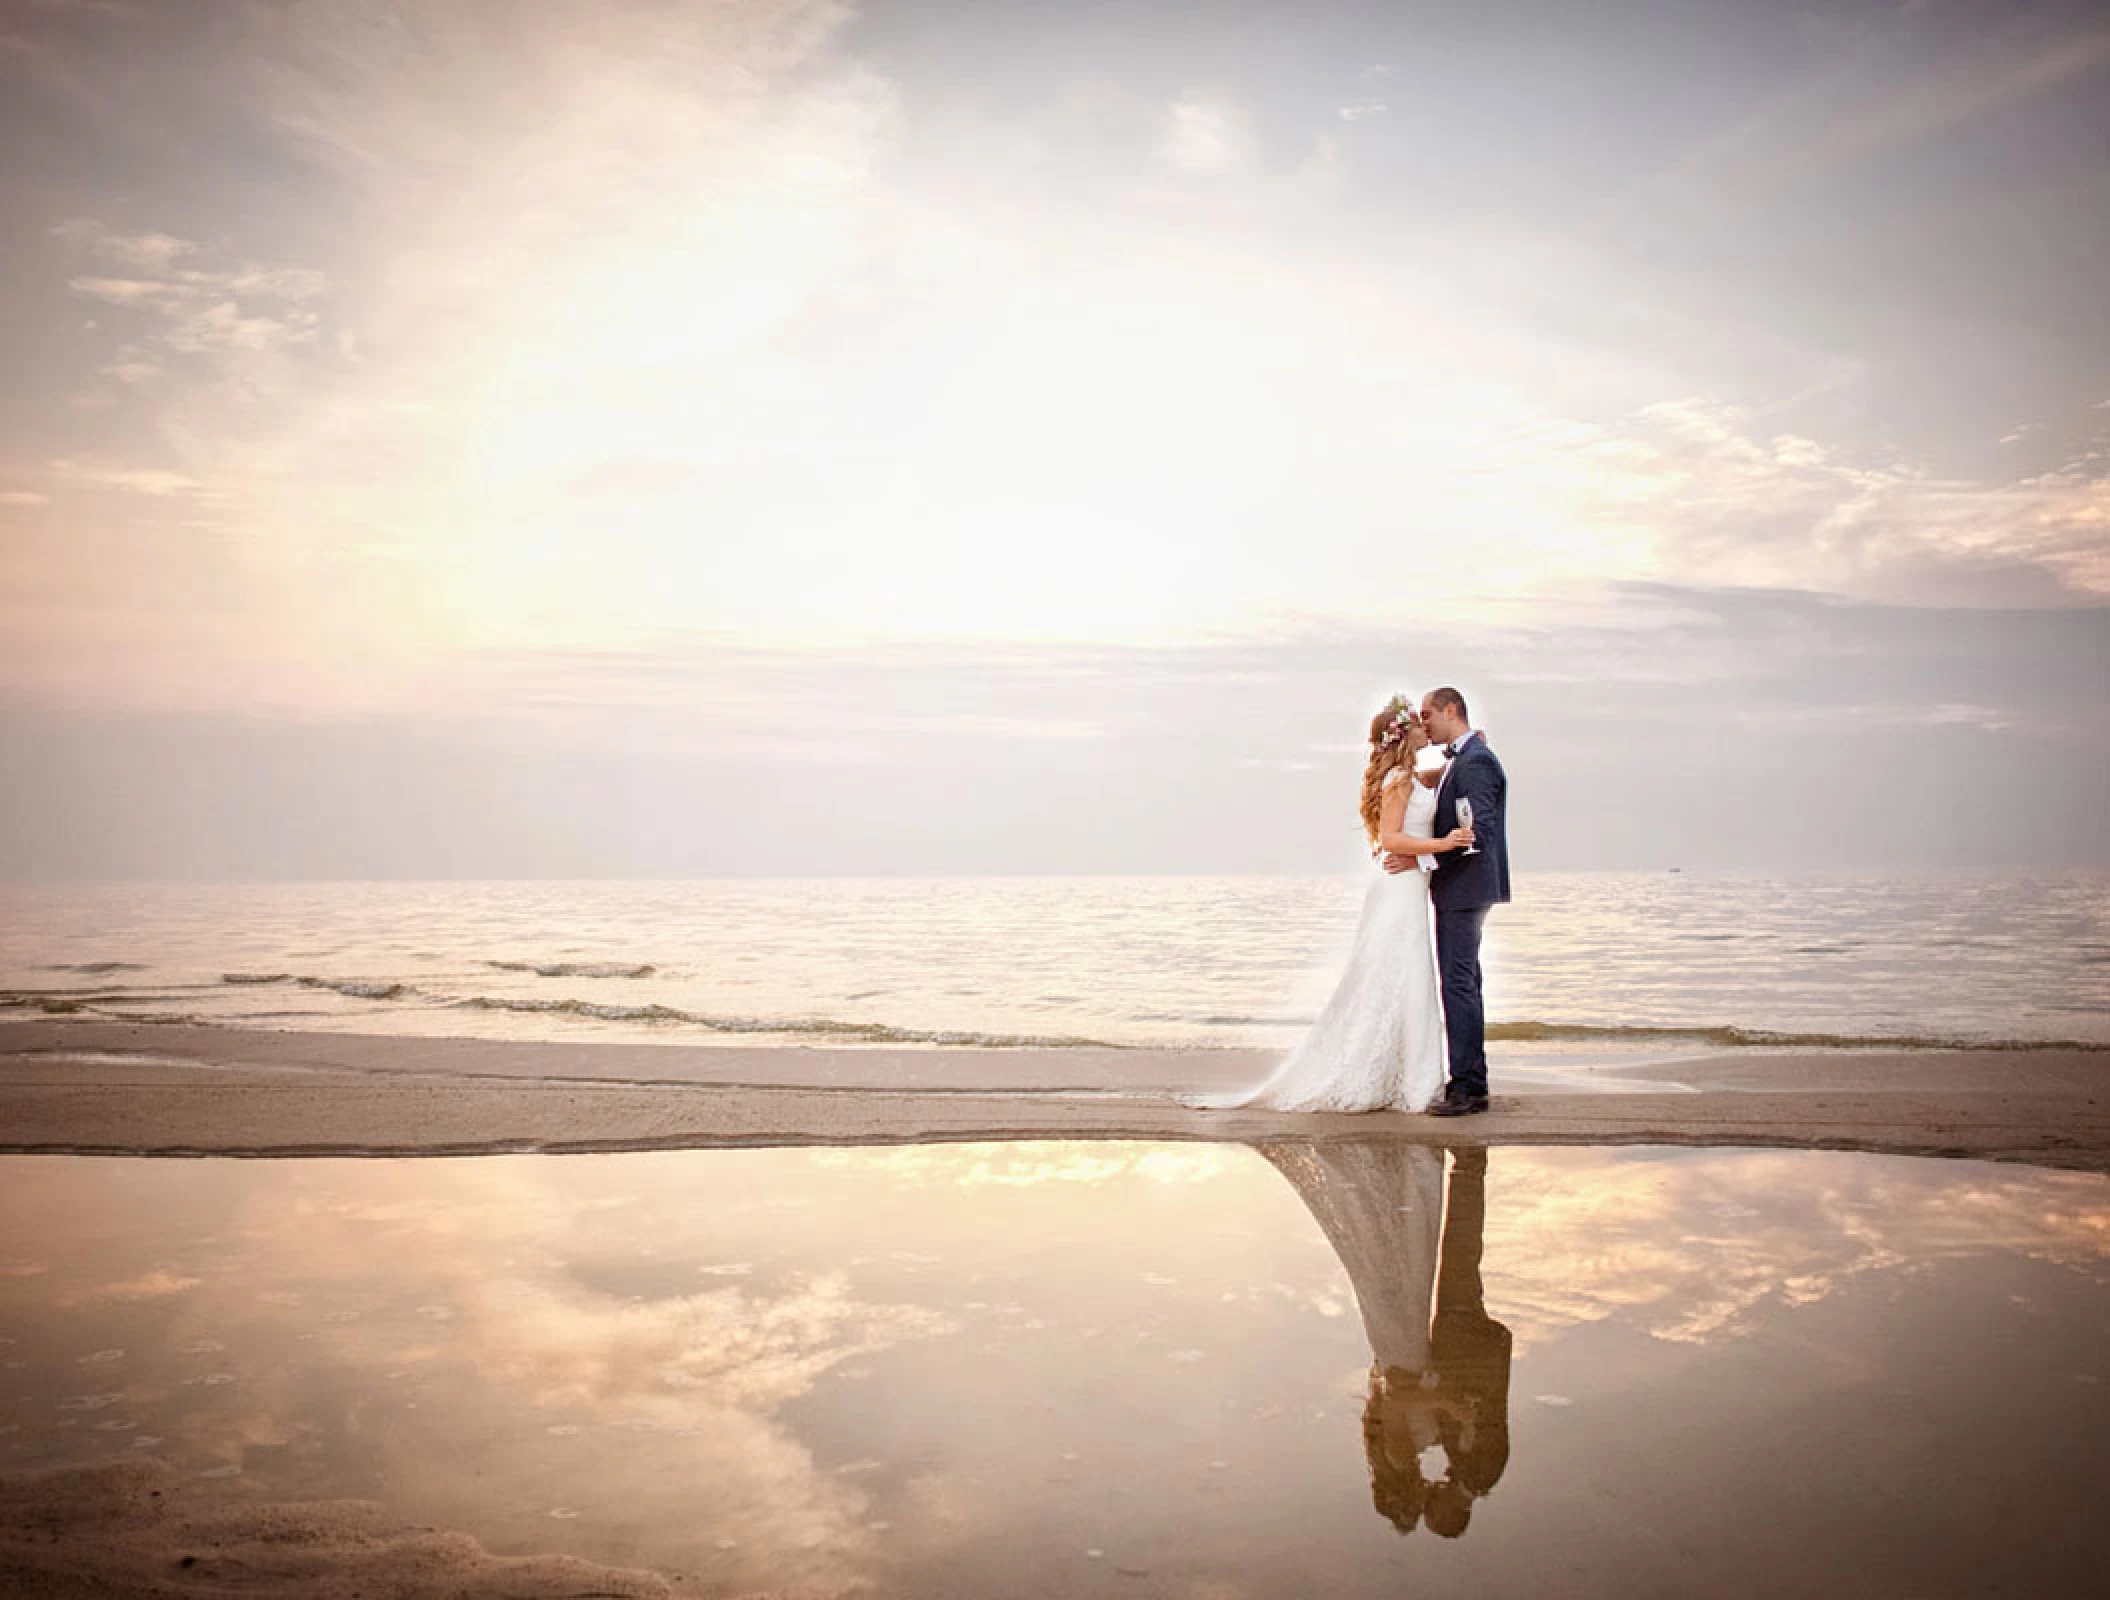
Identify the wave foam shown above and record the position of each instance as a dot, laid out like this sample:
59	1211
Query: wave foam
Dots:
355	988
578	969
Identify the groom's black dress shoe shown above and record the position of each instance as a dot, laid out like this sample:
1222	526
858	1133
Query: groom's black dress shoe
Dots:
1454	1104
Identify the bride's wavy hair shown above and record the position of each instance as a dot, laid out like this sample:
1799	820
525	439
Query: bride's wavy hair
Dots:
1396	738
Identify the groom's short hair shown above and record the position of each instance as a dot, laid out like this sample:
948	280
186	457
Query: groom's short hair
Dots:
1450	699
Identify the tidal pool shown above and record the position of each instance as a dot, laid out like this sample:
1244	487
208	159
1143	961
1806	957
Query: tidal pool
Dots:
1339	1368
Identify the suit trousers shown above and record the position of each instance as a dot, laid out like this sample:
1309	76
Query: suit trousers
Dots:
1464	1012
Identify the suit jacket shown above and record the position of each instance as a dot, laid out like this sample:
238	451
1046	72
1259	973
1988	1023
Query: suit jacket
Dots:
1462	882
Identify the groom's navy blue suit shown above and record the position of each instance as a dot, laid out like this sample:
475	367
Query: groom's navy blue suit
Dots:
1462	889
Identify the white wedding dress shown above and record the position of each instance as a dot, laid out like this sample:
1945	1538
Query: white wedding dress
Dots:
1378	1044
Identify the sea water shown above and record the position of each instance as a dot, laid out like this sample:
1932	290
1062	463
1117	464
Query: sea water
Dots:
1699	959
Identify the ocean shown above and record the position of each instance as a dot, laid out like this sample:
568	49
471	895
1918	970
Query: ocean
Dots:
1580	961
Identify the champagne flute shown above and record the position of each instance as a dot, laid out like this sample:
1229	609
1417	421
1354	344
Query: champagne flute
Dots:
1465	820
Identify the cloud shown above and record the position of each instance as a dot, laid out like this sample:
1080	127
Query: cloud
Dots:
151	1285
156	251
92	8
705	757
1024	1166
1561	1254
1205	132
1963	714
1361	109
120	291
23	497
224	312
127	480
585	1359
1727	503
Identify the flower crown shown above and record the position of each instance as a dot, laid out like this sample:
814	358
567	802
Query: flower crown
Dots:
1404	716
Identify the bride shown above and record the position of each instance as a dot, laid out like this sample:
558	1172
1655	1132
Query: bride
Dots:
1378	1044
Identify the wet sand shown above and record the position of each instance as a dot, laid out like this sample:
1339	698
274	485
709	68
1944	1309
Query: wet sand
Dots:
116	1088
131	1528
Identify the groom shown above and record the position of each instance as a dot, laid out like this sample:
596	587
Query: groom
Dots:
1463	888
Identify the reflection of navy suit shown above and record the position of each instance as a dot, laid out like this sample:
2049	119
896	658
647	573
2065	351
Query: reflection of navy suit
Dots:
1468	1348
1462	889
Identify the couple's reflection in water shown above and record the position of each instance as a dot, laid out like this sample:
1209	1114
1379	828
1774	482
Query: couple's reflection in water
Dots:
1436	1421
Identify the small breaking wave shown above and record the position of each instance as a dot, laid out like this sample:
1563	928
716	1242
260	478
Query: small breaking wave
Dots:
70	1002
804	1027
601	1011
96	968
1735	1038
578	969
354	988
126	1004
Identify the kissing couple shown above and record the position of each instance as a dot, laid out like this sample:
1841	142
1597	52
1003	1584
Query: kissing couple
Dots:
1440	860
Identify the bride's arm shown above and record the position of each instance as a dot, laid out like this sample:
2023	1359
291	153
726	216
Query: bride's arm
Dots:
1389	838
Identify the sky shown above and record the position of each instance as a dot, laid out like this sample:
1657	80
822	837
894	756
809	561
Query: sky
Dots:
524	438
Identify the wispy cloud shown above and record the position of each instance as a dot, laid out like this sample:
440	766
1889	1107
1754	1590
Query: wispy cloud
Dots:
129	480
117	10
192	310
1731	504
1887	84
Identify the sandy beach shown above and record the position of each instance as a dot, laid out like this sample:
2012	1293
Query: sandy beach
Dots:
641	1373
96	1088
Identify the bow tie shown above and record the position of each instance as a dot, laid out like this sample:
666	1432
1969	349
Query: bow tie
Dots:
1449	750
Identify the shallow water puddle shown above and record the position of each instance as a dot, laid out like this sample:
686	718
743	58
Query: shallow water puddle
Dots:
1340	1368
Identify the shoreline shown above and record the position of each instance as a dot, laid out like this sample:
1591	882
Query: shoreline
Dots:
138	1089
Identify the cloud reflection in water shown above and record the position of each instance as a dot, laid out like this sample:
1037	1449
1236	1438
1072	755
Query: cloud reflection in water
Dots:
832	1369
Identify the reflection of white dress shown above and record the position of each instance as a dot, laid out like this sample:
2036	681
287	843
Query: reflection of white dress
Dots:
1381	1207
1378	1044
